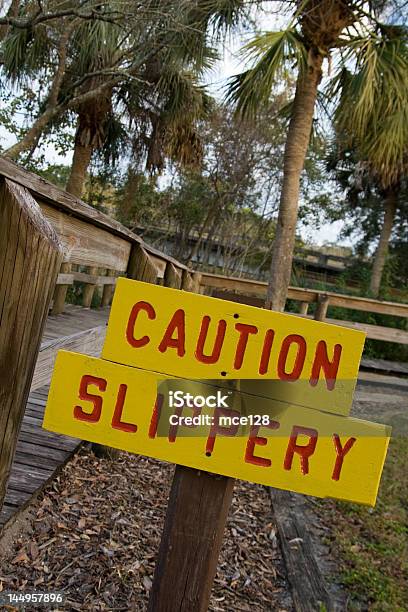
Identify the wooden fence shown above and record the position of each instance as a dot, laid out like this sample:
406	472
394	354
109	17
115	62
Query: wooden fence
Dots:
254	293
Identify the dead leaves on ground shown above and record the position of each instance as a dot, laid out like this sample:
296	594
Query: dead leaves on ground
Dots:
97	529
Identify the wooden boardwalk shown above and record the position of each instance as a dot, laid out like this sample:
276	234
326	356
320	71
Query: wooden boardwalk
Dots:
41	453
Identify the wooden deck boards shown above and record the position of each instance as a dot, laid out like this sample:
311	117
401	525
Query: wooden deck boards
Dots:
40	453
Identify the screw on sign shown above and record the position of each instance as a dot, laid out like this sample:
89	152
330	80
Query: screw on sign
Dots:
288	385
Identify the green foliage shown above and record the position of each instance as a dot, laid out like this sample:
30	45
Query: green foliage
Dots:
370	544
273	54
372	113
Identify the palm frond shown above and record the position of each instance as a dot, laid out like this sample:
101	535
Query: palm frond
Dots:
380	73
275	55
372	114
26	51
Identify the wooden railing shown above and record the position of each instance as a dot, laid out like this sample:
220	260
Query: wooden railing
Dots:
254	293
97	249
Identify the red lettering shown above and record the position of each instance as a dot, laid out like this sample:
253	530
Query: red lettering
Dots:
94	416
244	331
217	429
341	452
266	351
303	451
117	422
261	441
322	362
215	355
130	329
299	360
156	415
177	324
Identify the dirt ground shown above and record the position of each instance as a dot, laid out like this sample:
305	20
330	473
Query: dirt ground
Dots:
96	529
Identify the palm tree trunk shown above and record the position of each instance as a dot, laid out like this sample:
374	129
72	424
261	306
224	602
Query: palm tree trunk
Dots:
297	142
382	248
80	163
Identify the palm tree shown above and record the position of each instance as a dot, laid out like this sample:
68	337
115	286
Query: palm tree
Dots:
319	30
89	62
372	118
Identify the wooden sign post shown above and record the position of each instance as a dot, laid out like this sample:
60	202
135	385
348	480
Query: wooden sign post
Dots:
289	425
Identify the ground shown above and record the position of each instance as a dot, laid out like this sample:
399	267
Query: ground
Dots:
96	531
371	544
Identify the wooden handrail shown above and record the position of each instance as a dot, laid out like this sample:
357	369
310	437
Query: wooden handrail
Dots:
30	256
44	191
302	294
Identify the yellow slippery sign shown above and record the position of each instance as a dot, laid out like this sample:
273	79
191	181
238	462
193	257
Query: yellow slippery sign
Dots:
194	336
300	449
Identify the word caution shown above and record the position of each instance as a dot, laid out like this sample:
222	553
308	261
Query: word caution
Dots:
195	336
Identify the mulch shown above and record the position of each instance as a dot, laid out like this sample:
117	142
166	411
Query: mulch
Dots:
96	531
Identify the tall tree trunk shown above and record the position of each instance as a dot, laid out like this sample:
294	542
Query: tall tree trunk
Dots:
297	142
390	205
80	163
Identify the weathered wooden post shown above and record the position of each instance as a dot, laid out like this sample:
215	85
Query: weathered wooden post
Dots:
30	258
303	308
108	291
60	292
195	521
322	306
191	541
89	289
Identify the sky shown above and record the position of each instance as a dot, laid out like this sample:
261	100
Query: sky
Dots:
230	64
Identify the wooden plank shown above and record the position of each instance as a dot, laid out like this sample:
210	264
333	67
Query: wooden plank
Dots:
374	332
306	295
87	244
83	277
28	448
191	541
142	266
29	459
89	342
27	482
30	258
309	590
32	435
394	367
16	497
7	512
65	279
172	276
49	193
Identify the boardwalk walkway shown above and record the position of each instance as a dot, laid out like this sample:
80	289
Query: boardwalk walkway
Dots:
381	397
41	453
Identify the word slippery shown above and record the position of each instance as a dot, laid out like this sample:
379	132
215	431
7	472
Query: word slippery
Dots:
300	449
195	336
